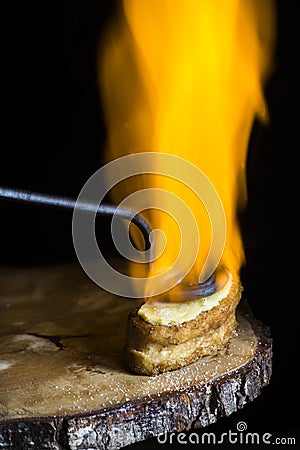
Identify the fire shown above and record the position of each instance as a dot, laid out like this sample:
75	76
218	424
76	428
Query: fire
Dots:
186	77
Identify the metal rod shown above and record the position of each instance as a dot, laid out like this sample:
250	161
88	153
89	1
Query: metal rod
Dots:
30	197
23	196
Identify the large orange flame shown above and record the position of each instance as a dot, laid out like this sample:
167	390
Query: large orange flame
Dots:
186	77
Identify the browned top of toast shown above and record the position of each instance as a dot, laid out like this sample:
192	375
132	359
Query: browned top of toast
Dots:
179	333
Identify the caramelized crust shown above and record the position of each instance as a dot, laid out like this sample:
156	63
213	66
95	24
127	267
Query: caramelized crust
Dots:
152	349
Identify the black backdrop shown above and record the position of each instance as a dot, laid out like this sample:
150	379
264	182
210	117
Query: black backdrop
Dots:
52	141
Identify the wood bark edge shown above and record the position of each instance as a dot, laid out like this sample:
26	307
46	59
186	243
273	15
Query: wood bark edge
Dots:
138	420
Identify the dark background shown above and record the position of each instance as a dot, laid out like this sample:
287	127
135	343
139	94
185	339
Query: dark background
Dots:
52	141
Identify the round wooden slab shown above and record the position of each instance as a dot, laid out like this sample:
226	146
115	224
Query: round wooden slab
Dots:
63	382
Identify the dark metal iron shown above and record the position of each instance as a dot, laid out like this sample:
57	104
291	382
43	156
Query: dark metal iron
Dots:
200	290
184	293
30	197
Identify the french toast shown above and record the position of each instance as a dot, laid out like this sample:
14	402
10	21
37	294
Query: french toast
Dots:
164	336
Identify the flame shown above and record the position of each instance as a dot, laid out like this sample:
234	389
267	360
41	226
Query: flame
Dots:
186	77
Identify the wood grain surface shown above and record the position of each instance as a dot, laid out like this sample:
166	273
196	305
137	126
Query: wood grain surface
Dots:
63	381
